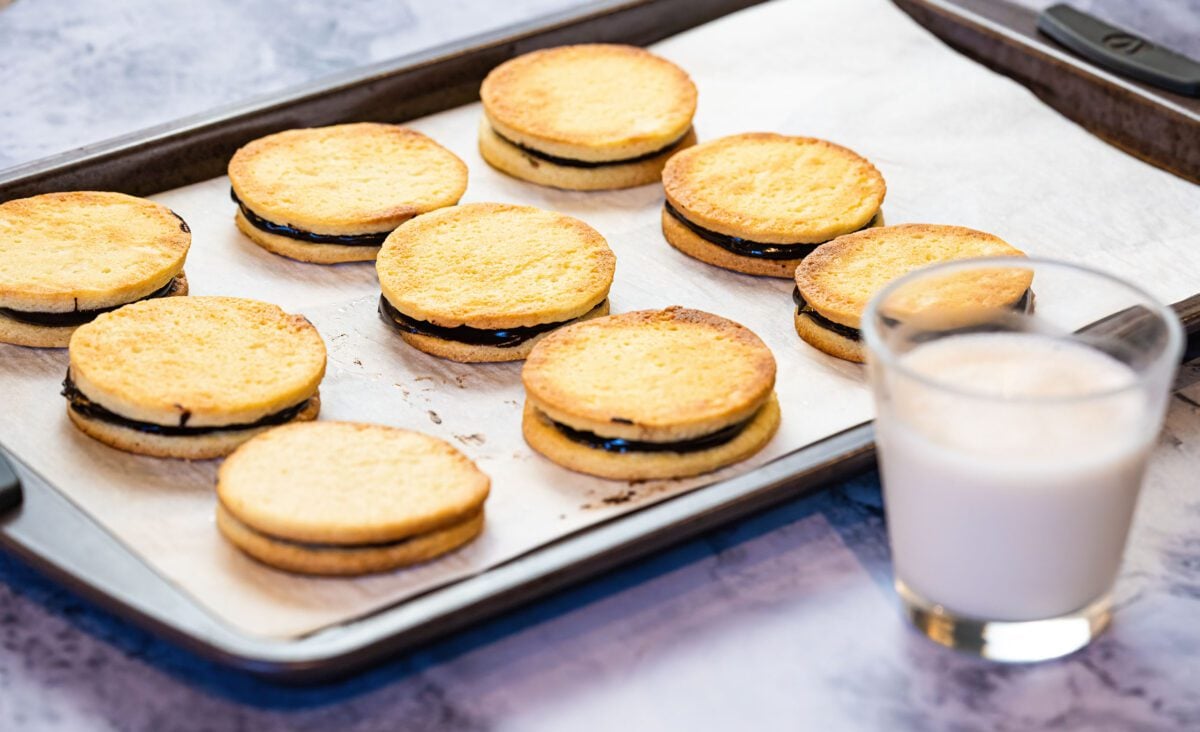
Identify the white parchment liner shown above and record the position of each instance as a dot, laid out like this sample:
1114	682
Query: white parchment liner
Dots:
956	143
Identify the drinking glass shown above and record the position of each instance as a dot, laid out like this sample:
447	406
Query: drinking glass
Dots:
1017	402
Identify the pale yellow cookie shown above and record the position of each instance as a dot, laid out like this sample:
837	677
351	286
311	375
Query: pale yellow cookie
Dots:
348	483
586	117
180	367
774	189
676	377
462	280
358	180
838	279
345	498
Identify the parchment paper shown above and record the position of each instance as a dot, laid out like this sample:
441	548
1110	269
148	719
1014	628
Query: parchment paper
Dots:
956	143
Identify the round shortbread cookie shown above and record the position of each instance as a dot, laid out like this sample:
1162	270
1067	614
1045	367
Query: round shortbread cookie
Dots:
691	244
58	336
347	561
198	447
342	180
839	278
590	102
86	250
468	353
652	375
342	484
197	361
544	437
508	158
493	267
774	189
303	251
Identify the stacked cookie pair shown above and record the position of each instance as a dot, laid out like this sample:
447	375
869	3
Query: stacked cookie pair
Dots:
67	258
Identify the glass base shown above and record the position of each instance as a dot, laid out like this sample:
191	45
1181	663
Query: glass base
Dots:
1003	640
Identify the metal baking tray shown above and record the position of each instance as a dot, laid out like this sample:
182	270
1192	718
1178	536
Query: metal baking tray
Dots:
54	535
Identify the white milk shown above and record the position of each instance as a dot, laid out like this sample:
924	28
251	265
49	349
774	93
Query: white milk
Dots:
1015	506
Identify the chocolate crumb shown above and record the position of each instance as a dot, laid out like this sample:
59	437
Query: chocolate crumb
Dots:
619	498
472	439
434	417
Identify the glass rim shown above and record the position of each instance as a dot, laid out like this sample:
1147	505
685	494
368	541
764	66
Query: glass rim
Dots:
1172	351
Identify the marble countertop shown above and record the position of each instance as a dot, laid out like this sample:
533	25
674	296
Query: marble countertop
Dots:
782	621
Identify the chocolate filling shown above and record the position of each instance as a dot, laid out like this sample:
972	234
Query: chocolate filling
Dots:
573	163
803	308
505	338
77	316
622	445
747	248
87	408
291	232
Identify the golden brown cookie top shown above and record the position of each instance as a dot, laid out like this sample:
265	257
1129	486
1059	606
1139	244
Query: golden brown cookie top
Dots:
494	265
197	361
347	483
840	278
356	178
667	374
773	188
85	250
590	102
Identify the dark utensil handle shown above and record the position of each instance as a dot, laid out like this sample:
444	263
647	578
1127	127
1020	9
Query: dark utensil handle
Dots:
10	486
1121	51
1189	312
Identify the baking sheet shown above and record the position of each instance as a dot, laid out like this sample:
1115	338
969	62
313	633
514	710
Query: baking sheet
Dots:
956	144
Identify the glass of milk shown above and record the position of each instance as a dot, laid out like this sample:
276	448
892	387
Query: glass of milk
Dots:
1013	435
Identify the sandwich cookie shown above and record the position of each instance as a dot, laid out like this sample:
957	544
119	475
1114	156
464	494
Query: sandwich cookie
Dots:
759	203
586	117
487	281
835	283
333	194
650	394
337	498
65	258
192	377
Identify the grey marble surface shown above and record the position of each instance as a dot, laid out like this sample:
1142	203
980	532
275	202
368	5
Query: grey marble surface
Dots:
81	71
782	621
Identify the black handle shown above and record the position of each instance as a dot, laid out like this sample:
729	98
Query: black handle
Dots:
1120	50
10	486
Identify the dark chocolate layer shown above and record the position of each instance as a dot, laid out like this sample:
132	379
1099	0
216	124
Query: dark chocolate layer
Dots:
87	408
79	317
506	338
573	163
291	232
803	308
745	247
622	446
1022	305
